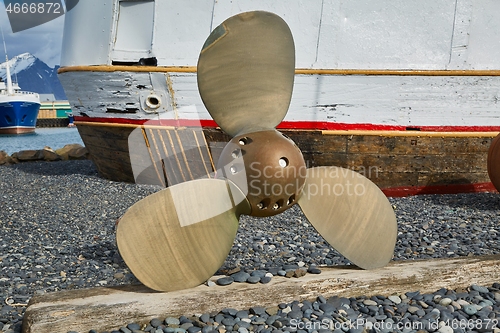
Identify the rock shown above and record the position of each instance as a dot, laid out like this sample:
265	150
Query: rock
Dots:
295	314
225	281
240	276
445	329
369	302
480	289
233	271
228	321
281	272
48	154
272	311
413	309
445	301
395	299
327	307
470	309
73	151
134	326
265	279
413	294
171	321
6	159
155	322
253	279
242	314
79	154
314	270
29	155
299	272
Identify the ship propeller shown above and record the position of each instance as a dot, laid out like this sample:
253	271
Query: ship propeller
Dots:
177	238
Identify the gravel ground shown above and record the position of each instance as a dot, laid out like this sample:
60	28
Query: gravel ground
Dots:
57	232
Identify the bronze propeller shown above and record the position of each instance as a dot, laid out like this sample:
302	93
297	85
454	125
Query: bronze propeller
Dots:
493	162
177	238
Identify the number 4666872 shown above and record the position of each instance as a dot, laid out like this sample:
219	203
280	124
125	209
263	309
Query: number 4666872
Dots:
34	8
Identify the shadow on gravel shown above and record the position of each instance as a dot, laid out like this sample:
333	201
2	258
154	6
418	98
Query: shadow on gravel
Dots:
482	201
59	168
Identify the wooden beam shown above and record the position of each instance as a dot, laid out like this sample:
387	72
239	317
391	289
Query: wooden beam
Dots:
298	71
108	308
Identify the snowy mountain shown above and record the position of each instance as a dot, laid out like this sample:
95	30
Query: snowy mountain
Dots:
34	75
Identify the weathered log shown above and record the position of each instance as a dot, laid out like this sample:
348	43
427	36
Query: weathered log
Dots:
110	308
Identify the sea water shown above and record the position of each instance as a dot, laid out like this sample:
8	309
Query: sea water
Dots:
53	137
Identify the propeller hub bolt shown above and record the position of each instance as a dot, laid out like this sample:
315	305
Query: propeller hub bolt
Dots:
268	167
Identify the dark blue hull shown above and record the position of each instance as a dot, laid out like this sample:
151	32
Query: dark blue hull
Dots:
18	116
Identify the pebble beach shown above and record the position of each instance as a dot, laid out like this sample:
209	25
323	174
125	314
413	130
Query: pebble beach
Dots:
58	233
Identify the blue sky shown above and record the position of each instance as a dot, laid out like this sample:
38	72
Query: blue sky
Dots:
43	41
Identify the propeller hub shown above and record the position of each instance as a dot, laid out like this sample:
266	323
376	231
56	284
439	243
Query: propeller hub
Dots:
268	167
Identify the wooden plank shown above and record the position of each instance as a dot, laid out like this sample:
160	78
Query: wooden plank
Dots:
216	140
314	141
391	179
181	153
394	145
419	163
113	165
109	132
466	145
417	145
114	144
449	178
318	159
389	161
109	308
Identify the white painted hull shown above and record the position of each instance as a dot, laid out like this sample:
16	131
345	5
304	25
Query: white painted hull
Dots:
408	37
329	101
410	89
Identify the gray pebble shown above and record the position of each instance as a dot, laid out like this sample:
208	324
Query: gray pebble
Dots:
469	309
253	279
172	321
265	279
225	281
241	276
480	289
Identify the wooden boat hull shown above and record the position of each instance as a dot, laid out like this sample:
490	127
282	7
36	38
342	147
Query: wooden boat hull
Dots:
401	163
386	74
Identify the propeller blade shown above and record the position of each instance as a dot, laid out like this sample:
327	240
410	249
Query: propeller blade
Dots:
246	71
177	238
351	213
494	162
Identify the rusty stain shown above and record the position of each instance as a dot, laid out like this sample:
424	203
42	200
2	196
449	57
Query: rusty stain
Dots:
171	92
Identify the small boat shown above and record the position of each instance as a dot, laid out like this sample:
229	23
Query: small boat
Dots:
406	93
18	109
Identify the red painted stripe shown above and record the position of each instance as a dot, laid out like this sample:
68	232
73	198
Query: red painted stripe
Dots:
295	125
405	191
152	122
